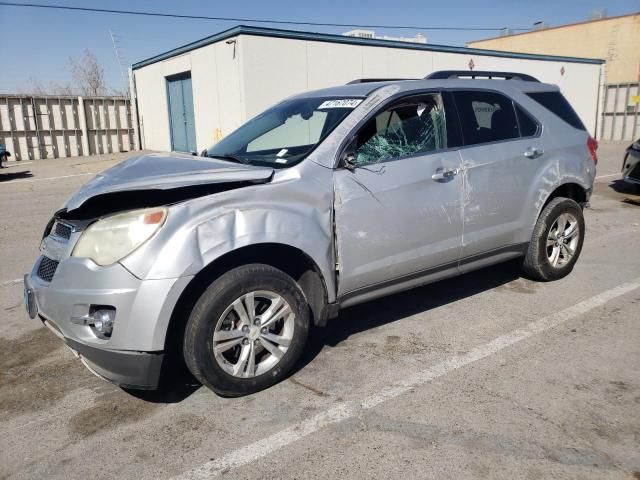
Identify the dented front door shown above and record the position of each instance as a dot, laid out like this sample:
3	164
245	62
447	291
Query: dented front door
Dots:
397	219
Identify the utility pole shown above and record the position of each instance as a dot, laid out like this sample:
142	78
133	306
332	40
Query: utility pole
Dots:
117	48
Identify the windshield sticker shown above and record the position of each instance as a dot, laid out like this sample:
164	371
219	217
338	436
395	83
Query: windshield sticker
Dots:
281	160
342	103
282	152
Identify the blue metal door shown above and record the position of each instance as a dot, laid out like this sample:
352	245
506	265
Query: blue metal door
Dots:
182	124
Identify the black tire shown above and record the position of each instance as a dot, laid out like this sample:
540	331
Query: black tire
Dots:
536	264
207	312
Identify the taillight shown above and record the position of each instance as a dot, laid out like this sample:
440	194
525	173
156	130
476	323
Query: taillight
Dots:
592	145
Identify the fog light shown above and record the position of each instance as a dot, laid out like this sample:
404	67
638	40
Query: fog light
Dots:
103	322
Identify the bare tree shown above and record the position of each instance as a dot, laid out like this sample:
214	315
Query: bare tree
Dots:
34	87
87	74
61	89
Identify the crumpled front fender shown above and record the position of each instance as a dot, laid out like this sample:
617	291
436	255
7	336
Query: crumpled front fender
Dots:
293	210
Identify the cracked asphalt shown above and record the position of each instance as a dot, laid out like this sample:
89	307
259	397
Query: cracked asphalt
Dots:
561	402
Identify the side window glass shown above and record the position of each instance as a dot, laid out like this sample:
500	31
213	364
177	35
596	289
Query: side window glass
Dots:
486	117
409	127
528	127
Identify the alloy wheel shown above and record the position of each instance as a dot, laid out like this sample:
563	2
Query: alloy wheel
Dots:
562	240
253	334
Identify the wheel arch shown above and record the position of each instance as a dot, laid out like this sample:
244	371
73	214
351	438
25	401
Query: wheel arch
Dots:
571	190
291	260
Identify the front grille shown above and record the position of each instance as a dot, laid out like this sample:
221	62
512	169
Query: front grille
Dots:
61	230
47	268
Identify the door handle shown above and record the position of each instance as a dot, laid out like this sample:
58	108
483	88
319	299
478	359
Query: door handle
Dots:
533	152
444	174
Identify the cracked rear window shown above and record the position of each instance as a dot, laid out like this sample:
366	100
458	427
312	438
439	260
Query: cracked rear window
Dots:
407	128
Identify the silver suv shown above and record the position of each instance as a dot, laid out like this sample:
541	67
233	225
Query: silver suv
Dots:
224	261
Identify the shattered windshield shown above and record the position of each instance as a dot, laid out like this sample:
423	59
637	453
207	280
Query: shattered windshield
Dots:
286	133
413	126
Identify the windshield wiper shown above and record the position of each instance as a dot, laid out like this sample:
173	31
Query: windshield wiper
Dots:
231	157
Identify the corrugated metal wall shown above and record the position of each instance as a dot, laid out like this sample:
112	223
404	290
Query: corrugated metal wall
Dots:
621	112
38	127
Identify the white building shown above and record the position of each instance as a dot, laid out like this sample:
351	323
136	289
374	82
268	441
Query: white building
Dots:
190	97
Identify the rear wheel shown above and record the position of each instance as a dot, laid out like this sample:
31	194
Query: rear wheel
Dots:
247	330
556	242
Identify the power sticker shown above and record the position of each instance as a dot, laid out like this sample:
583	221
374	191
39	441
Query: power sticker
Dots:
342	103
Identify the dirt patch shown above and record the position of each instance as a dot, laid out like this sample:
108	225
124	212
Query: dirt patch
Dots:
36	371
109	411
312	389
521	285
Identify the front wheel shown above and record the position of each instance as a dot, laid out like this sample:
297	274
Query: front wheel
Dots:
247	330
556	242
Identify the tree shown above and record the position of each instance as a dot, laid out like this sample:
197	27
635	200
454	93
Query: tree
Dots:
87	74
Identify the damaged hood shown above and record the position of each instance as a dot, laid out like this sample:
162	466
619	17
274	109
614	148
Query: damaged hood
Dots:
166	172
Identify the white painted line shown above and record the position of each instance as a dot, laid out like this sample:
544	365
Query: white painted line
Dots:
46	178
610	175
11	282
18	164
345	410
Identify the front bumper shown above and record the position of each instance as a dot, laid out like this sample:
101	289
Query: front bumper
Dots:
136	370
134	354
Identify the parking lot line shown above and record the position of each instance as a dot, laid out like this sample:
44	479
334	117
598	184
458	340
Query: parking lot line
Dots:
607	176
47	178
342	411
11	282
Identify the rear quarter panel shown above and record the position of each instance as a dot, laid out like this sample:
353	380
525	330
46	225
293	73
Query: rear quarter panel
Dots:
566	160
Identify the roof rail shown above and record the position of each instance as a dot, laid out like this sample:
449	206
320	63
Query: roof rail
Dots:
370	80
445	74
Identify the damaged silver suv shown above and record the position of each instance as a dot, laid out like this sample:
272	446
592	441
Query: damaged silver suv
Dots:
328	199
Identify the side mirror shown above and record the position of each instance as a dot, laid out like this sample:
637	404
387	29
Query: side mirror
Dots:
349	161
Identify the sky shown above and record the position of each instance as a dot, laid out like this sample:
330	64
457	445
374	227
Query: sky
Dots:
35	44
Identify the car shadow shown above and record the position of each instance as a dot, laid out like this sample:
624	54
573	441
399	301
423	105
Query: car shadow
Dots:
7	176
621	186
179	384
630	191
383	311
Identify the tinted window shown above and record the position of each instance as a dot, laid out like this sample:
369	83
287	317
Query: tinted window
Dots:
408	127
486	117
555	102
528	126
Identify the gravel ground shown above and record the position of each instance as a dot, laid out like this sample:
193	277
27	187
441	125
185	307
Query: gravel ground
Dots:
487	375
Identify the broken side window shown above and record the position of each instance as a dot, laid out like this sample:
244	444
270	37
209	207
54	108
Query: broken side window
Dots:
410	127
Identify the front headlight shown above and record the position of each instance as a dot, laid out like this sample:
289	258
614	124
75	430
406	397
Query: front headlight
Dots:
113	238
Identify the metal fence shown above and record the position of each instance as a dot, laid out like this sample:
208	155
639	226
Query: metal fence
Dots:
38	127
620	119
